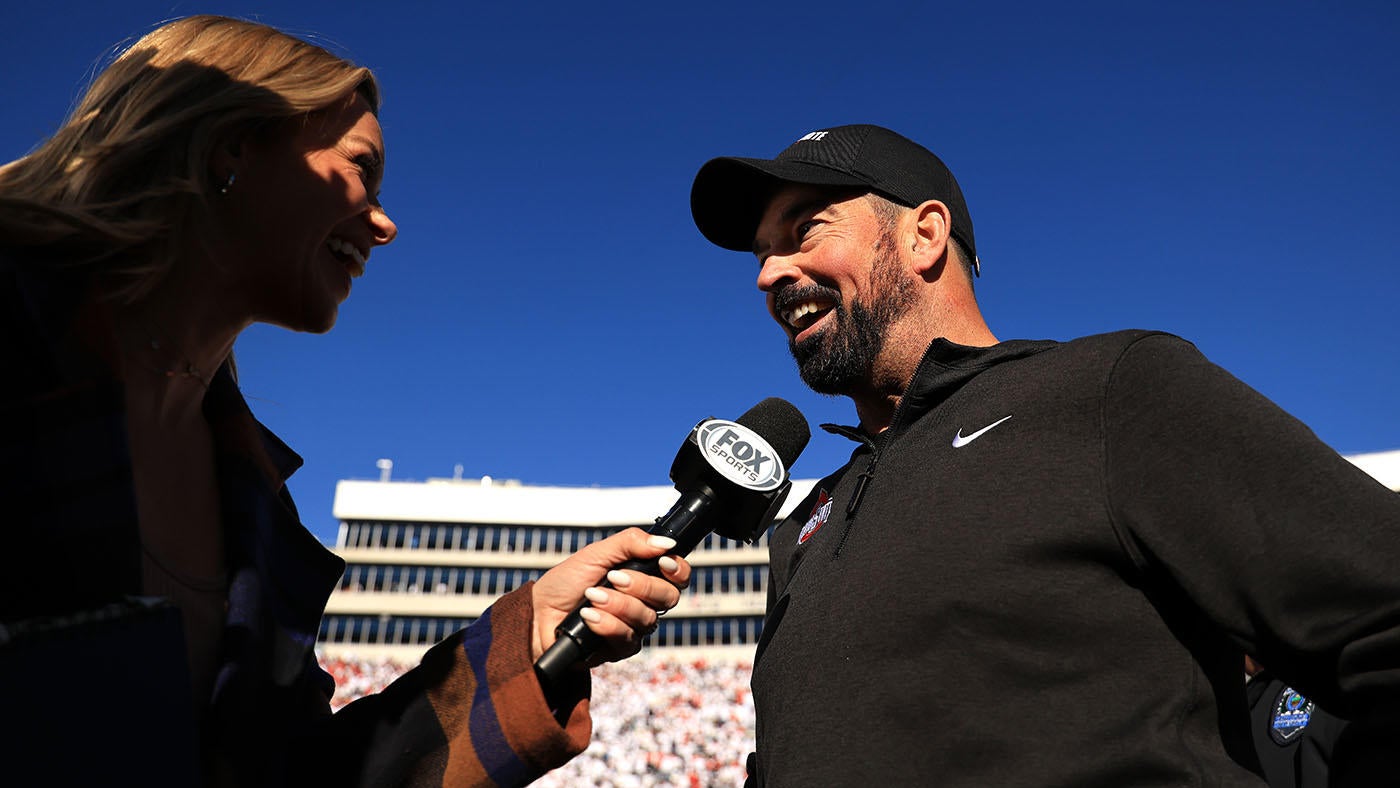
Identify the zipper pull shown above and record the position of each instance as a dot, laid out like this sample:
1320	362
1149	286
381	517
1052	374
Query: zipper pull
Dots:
861	482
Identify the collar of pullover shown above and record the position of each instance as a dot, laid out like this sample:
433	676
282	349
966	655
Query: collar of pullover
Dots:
945	368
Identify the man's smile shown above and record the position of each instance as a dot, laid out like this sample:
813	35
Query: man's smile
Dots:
799	310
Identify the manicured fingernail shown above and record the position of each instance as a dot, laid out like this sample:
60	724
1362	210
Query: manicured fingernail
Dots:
590	615
596	595
664	542
668	563
619	579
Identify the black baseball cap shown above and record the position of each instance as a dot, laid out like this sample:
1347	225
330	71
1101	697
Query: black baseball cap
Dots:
730	194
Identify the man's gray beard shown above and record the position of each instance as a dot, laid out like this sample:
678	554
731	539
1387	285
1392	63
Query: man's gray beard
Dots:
840	358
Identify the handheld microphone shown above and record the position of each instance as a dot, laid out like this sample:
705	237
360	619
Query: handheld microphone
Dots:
733	477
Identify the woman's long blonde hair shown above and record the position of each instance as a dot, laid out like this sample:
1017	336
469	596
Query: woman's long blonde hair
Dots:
123	182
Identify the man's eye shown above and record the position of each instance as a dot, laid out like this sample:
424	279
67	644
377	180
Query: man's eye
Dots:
804	228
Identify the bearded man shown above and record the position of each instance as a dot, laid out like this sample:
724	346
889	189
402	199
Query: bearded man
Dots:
1045	560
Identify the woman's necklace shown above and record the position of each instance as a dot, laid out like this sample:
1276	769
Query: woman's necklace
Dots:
181	369
155	357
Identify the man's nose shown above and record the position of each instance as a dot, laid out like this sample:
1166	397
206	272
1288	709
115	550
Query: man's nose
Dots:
776	270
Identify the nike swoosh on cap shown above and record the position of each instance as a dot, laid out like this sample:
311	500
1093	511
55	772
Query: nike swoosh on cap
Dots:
959	441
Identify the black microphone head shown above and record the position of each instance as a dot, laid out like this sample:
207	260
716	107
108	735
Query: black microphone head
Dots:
781	424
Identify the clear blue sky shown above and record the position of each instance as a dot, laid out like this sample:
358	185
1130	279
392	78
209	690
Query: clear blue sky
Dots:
1227	171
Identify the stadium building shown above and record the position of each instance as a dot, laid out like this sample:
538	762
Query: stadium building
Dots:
424	559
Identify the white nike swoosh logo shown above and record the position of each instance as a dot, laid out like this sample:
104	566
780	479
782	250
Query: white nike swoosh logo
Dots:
959	441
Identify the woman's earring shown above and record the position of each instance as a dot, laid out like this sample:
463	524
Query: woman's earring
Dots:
228	184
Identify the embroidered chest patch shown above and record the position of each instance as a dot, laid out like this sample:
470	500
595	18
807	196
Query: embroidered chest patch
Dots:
821	511
1290	716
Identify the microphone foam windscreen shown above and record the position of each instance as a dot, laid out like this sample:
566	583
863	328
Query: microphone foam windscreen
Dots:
781	424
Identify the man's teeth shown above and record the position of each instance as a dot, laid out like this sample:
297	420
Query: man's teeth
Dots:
802	310
342	246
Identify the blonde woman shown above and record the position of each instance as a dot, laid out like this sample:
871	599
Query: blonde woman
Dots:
220	173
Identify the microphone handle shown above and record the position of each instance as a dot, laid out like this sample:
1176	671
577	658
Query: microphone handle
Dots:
574	641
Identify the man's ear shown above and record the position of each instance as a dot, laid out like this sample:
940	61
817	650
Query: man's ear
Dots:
932	224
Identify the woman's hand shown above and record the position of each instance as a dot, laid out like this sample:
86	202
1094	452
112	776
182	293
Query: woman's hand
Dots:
623	614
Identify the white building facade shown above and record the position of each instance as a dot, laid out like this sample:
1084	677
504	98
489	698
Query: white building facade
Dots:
424	559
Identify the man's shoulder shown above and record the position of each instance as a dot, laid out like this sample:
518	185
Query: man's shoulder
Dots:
1087	365
1122	338
1112	346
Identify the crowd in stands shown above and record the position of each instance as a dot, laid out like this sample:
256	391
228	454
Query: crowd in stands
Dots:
657	722
356	678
